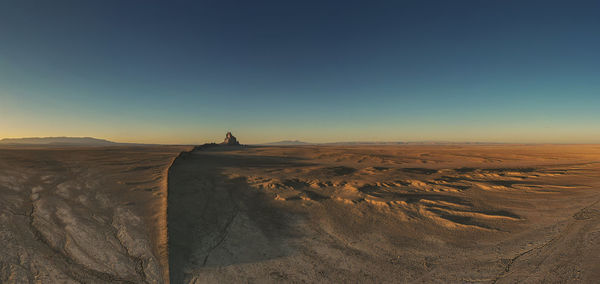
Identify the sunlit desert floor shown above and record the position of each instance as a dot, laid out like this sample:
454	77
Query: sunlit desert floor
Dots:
446	214
334	214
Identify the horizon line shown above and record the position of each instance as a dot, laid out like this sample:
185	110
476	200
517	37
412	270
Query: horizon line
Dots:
308	143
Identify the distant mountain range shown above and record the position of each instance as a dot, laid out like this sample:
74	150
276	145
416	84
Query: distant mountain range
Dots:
60	141
90	141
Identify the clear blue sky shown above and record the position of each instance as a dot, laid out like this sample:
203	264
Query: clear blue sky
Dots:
187	71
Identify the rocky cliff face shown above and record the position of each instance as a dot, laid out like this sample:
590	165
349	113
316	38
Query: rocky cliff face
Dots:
230	140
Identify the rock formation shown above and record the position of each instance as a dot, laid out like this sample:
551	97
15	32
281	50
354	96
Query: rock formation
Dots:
230	140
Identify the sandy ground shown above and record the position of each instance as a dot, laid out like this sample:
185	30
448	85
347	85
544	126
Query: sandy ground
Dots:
84	215
386	214
332	214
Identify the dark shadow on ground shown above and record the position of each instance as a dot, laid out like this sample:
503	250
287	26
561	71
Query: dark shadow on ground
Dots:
214	220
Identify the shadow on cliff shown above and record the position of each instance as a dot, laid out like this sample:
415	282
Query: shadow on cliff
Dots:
215	220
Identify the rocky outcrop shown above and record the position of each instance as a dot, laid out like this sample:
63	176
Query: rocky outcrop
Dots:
230	140
85	216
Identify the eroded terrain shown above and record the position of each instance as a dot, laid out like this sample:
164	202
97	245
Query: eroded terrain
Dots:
333	214
83	215
450	214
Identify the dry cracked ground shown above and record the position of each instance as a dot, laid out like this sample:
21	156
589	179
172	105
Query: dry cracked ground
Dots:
93	215
389	214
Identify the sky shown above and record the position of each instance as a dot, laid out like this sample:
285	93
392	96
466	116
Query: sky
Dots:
185	72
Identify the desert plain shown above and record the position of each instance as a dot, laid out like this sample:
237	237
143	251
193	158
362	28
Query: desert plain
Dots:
318	213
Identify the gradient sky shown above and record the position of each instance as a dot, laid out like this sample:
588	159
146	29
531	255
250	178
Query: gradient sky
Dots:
187	71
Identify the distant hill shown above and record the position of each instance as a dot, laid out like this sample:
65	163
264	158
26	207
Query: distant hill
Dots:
288	142
59	141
